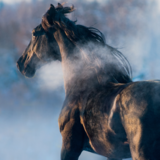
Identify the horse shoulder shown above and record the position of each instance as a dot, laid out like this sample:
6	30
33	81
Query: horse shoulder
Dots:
70	127
69	114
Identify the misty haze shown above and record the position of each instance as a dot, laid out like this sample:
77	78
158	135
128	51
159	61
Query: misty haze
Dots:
30	107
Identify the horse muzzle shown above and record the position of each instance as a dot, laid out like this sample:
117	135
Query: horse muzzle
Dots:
26	69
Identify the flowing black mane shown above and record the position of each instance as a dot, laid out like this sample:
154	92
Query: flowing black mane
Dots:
81	35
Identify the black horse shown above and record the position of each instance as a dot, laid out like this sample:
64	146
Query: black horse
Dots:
104	112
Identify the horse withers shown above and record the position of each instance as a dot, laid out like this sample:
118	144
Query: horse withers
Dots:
104	112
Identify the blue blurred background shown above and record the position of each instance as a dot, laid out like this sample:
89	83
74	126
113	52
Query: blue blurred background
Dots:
29	108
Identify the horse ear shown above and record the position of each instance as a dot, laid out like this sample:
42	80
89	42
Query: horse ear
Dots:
48	17
52	6
60	5
52	10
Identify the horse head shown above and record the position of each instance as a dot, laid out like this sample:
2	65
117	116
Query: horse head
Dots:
43	46
41	49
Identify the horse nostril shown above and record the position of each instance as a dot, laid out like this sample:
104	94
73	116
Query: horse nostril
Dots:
19	66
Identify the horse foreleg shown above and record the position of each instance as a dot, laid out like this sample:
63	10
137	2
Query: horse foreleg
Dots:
72	140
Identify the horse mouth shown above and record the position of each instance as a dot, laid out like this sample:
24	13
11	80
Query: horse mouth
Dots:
27	72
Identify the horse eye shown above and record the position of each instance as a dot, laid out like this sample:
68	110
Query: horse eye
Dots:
33	36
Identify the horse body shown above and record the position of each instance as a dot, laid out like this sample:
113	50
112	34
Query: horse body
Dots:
104	112
86	107
132	121
111	129
89	119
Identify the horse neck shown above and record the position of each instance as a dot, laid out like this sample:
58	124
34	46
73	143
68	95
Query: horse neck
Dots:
65	45
80	72
77	75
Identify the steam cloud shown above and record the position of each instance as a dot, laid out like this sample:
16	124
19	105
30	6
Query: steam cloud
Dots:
87	63
50	76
